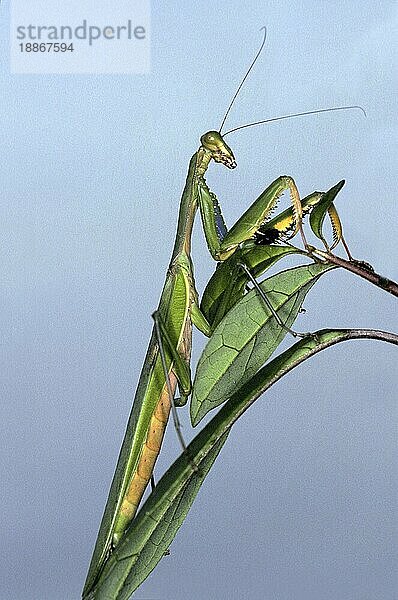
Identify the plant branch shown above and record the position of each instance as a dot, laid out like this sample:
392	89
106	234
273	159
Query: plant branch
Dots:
360	268
150	533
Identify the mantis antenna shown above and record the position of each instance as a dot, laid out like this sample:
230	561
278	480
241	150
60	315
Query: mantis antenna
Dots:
244	78
289	116
301	114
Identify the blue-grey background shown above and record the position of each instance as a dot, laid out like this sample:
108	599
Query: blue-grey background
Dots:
302	502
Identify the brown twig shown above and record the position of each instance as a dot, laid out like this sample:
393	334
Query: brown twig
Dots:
359	268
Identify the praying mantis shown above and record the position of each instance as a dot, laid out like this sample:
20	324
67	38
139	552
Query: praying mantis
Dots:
167	361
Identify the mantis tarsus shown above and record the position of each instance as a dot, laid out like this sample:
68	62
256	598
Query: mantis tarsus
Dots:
168	356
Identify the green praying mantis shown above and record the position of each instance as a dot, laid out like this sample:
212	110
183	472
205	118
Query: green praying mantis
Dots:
167	361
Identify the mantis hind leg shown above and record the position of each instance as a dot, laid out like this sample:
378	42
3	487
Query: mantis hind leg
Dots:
181	371
269	305
183	376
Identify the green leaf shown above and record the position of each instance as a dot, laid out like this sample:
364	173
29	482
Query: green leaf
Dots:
317	216
148	538
247	336
227	284
135	556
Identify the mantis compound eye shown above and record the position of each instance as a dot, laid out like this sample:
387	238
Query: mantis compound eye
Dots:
211	139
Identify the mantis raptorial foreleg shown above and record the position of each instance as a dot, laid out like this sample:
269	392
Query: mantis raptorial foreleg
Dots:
246	228
222	243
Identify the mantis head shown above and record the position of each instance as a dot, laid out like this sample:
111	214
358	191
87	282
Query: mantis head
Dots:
213	142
